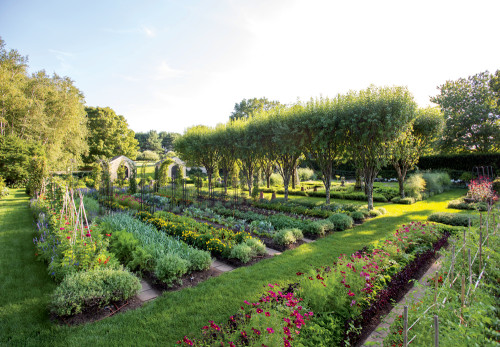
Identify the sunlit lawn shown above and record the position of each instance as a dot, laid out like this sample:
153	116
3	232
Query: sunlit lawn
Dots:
25	285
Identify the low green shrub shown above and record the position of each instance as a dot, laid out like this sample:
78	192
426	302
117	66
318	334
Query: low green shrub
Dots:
382	210
375	213
455	219
406	201
287	236
319	227
170	267
357	215
341	221
460	204
258	248
86	289
242	252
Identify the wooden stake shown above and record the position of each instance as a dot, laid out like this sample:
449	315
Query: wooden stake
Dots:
452	269
480	220
436	331
480	250
470	267
405	326
462	297
436	286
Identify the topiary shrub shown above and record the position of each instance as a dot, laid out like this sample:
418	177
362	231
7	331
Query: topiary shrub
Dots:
452	218
341	221
406	201
93	288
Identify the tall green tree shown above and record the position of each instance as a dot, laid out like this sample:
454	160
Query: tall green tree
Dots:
247	149
109	135
153	142
197	147
373	119
412	143
246	108
167	140
287	140
41	108
225	140
141	139
472	114
323	137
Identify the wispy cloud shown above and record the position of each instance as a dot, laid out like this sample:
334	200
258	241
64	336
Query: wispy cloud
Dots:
150	32
146	30
165	71
63	58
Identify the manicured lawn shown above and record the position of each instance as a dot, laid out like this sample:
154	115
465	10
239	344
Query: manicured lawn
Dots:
25	285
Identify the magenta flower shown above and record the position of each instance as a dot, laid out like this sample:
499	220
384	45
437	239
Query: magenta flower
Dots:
270	330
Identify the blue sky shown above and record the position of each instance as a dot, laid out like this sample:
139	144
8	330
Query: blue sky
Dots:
168	65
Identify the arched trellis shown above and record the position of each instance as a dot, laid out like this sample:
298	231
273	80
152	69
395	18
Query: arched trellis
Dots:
163	171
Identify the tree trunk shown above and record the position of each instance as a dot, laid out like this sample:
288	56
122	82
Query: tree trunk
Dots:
225	174
357	185
268	181
286	182
249	183
401	187
293	179
401	171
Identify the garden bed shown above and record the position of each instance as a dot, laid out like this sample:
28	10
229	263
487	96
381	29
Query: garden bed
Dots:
399	286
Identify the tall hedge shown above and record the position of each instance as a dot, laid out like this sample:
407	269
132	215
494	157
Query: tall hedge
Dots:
463	162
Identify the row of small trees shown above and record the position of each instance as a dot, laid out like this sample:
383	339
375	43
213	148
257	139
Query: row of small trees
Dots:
372	128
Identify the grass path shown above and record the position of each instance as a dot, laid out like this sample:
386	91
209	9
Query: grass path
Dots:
175	314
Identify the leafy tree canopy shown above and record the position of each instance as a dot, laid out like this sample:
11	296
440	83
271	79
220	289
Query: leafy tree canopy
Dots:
40	108
472	117
109	135
246	108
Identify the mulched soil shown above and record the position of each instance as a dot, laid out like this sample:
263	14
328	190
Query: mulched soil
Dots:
94	314
188	280
237	263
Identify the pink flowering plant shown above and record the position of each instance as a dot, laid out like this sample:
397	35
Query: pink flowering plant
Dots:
481	190
274	320
342	291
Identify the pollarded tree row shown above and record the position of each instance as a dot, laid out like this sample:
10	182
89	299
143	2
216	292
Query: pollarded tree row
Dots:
372	127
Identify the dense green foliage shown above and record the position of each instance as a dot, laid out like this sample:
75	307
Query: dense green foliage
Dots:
109	135
41	109
472	114
460	162
93	288
246	108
